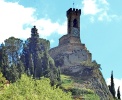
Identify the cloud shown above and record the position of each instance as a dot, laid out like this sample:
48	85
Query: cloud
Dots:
90	7
98	9
117	83
105	16
12	18
17	20
46	27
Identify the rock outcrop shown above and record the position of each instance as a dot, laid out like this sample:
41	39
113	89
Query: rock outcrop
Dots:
70	57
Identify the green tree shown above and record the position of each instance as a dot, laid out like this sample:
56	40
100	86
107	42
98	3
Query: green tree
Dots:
36	59
4	62
10	63
30	64
13	73
118	93
13	49
2	81
111	88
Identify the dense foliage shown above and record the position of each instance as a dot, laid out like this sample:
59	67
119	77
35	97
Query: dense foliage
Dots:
10	63
2	81
28	88
30	57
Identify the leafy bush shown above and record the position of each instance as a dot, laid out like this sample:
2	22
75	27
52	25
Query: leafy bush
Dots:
27	88
67	82
78	91
85	93
2	81
91	97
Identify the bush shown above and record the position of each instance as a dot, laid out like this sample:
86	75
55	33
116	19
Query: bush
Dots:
85	93
27	88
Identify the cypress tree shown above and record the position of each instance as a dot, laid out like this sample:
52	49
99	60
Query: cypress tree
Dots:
118	93
36	59
112	89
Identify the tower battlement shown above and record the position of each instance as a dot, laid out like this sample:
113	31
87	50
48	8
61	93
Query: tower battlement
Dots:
73	11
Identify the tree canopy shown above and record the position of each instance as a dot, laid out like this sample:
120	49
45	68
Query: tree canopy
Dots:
28	88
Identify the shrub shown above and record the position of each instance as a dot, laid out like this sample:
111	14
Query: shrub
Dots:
27	88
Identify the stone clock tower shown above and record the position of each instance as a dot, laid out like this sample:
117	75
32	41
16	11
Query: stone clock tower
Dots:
73	20
71	51
73	27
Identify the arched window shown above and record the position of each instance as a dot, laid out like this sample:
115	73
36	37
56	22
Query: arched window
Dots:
75	23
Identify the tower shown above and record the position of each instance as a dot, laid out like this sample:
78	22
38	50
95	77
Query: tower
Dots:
73	28
73	22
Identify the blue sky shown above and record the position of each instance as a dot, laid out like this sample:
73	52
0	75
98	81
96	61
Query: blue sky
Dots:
101	22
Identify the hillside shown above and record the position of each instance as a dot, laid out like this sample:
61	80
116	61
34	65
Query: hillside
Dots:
78	92
86	74
79	74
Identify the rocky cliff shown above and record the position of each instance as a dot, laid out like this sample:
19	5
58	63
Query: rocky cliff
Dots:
75	60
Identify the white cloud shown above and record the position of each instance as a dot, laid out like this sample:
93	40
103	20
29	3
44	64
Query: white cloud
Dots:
12	18
17	20
117	83
105	16
98	9
46	27
90	7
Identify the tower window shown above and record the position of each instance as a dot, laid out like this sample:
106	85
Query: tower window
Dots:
75	23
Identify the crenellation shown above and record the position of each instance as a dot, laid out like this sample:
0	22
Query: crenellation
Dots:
73	11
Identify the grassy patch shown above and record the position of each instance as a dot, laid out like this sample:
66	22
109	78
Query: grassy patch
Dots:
77	93
67	82
78	80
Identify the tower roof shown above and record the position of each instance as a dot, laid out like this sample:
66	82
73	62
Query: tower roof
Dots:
73	11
